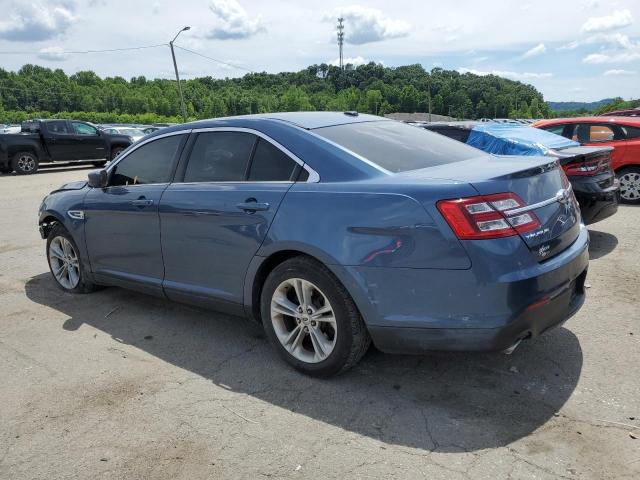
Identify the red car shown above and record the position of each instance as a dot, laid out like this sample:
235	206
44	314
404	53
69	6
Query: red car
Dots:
621	133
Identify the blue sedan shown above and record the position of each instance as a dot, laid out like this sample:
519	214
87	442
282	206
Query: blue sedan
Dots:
332	230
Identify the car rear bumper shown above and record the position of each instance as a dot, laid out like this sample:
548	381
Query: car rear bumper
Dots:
418	310
596	202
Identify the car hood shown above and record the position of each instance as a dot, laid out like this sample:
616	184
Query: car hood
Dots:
77	185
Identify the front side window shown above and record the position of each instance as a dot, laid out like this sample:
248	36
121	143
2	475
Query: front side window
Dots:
630	132
59	127
84	129
270	164
398	147
220	157
150	163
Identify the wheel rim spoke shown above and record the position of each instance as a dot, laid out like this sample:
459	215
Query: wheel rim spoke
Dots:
303	320
64	262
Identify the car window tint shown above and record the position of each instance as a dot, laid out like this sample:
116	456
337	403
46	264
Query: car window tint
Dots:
220	157
58	127
270	164
150	163
631	132
83	129
557	129
398	147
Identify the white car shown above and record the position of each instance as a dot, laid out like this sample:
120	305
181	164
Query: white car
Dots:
135	133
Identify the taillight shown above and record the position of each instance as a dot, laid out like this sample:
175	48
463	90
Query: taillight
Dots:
487	216
588	167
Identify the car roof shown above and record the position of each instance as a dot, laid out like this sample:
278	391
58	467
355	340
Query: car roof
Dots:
306	120
635	121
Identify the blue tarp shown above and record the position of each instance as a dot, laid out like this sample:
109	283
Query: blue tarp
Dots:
509	139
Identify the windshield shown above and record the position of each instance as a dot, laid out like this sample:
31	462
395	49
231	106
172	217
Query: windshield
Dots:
398	147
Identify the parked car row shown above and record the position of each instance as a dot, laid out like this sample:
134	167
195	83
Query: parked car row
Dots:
332	230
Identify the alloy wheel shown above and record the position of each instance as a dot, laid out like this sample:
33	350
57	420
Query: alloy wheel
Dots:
26	163
303	320
64	262
630	186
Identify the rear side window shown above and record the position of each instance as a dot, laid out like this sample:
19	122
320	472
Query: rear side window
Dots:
270	164
150	163
220	157
398	147
58	127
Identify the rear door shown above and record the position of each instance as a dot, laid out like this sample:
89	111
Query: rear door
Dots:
215	219
59	140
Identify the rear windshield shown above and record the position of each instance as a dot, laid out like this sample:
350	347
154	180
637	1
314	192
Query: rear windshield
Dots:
398	147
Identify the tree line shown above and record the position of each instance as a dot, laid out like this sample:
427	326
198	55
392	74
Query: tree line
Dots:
35	91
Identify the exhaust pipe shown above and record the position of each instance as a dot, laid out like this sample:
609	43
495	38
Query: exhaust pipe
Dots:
509	350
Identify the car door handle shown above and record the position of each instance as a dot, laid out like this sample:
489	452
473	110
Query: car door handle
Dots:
253	206
142	202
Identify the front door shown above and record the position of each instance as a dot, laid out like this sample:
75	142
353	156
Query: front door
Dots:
214	221
89	144
122	226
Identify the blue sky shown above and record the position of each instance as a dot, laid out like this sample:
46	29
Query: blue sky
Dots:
570	50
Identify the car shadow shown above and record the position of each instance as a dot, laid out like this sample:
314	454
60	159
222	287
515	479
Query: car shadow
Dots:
601	244
449	402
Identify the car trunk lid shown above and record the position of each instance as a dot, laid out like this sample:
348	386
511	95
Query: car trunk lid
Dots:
542	187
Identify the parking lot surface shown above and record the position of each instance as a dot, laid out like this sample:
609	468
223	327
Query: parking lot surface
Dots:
117	384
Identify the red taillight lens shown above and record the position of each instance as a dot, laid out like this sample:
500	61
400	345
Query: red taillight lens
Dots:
589	167
487	216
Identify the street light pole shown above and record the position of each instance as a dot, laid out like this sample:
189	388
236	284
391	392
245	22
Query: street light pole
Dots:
175	67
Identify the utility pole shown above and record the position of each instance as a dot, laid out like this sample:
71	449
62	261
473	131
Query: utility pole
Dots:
341	40
429	90
175	67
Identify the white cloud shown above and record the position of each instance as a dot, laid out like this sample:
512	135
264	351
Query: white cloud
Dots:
622	57
355	61
610	73
535	51
52	54
618	19
366	25
507	74
234	22
36	21
618	40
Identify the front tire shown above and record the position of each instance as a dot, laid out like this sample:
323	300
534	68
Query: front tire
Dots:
115	151
25	163
629	178
311	319
65	263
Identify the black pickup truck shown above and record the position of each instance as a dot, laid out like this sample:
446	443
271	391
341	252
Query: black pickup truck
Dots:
57	141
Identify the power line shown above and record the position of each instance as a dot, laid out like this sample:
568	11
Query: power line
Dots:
73	52
214	59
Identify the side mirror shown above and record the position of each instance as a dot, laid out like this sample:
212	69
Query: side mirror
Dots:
98	179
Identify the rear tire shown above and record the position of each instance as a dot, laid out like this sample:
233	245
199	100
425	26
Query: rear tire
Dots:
629	178
323	334
25	163
65	262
